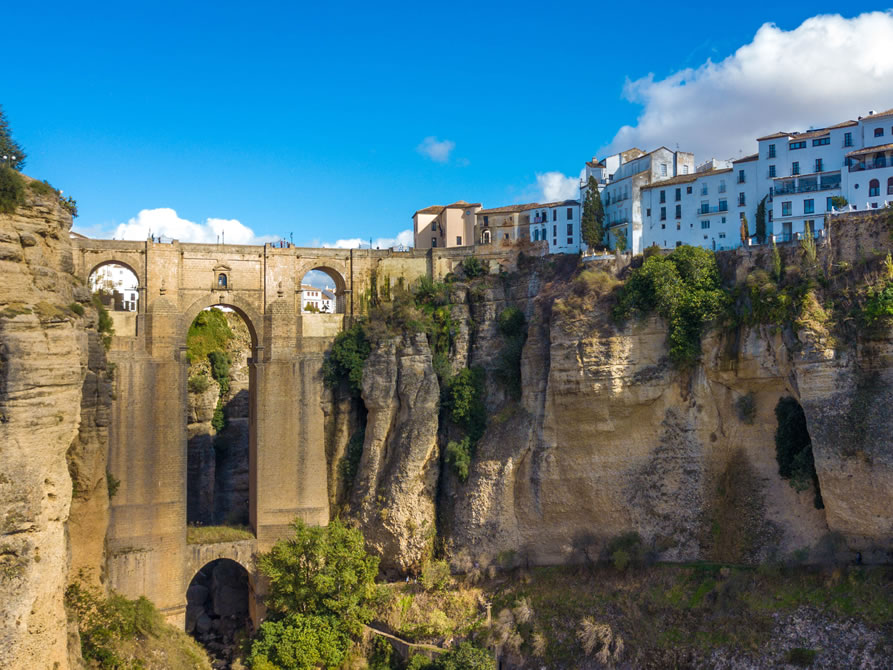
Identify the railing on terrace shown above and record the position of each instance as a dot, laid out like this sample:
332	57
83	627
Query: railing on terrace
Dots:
805	188
871	165
707	209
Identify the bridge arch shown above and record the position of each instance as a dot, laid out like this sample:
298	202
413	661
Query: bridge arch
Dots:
244	309
334	273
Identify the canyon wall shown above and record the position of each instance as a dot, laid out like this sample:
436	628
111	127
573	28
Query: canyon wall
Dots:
54	402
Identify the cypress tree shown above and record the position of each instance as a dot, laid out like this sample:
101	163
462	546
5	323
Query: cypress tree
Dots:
591	223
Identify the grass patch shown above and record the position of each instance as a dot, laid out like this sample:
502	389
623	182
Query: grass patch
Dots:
214	534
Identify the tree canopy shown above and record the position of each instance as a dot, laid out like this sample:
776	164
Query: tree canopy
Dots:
9	147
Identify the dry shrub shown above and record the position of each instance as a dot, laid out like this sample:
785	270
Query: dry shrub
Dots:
538	644
522	611
586	290
503	627
598	637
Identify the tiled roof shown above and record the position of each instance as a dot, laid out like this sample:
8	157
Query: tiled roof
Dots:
461	204
871	150
561	203
595	164
843	124
810	134
747	159
679	179
433	209
889	112
509	209
773	136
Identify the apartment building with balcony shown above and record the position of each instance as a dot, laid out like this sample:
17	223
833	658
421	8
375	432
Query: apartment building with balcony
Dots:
868	175
445	225
701	209
558	224
621	197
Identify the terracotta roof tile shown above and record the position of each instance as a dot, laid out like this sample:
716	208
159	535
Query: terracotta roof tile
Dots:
433	209
509	209
747	159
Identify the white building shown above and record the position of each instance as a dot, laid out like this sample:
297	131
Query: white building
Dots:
621	197
314	298
112	279
558	223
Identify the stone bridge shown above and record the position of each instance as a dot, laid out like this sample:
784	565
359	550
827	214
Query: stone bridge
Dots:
147	549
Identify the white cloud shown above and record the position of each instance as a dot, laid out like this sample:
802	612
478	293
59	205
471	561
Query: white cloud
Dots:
403	238
437	150
827	70
163	221
554	186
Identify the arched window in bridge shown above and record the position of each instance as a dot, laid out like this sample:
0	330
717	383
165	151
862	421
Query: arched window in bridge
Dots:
874	188
221	280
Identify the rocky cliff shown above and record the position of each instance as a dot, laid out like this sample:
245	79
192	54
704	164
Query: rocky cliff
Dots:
608	436
54	402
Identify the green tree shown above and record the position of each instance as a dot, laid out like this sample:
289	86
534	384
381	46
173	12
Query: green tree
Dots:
346	359
15	155
621	241
300	642
322	571
761	221
592	221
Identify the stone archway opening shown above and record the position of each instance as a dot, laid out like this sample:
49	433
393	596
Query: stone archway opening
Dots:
322	292
117	286
220	427
217	609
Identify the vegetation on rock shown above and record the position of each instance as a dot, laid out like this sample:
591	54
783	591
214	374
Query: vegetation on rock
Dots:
344	363
513	327
12	190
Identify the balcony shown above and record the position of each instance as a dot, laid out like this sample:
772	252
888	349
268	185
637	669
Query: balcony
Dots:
810	187
871	165
712	209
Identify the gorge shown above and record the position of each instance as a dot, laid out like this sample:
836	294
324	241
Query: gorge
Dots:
499	415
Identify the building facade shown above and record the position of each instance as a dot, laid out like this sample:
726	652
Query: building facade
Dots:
315	299
558	224
445	226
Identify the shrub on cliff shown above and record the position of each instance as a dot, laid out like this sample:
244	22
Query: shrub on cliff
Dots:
8	146
684	288
344	363
12	190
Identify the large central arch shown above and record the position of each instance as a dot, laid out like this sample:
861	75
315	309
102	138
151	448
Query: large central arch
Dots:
252	318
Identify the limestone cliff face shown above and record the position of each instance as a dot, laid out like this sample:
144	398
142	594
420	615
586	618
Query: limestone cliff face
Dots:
608	437
394	491
53	401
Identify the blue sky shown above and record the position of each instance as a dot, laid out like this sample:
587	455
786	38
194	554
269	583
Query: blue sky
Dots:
309	120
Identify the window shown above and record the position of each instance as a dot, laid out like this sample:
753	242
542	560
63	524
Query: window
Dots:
536	235
847	139
740	176
434	226
555	215
663	166
678	194
821	141
433	242
798	145
878	132
786	208
663	197
705	207
486	220
874	188
771	171
819	165
890	186
554	231
809	206
458	240
771	151
722	236
221	280
648	212
704	189
795	168
705	224
505	236
688	190
570	213
722	186
570	240
678	243
685	169
741	200
570	229
723	205
828	205
663	226
678	211
663	213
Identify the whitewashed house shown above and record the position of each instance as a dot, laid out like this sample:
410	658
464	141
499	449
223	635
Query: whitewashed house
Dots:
557	223
315	299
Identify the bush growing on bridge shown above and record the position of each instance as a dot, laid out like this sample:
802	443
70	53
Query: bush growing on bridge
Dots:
344	363
208	332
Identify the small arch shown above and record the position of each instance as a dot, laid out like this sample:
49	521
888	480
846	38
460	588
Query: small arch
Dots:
315	298
117	283
874	188
218	607
890	186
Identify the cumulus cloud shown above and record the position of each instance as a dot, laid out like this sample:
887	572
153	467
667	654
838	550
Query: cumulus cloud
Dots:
827	70
437	150
164	221
404	238
553	186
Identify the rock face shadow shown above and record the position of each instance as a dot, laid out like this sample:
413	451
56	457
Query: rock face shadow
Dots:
217	609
